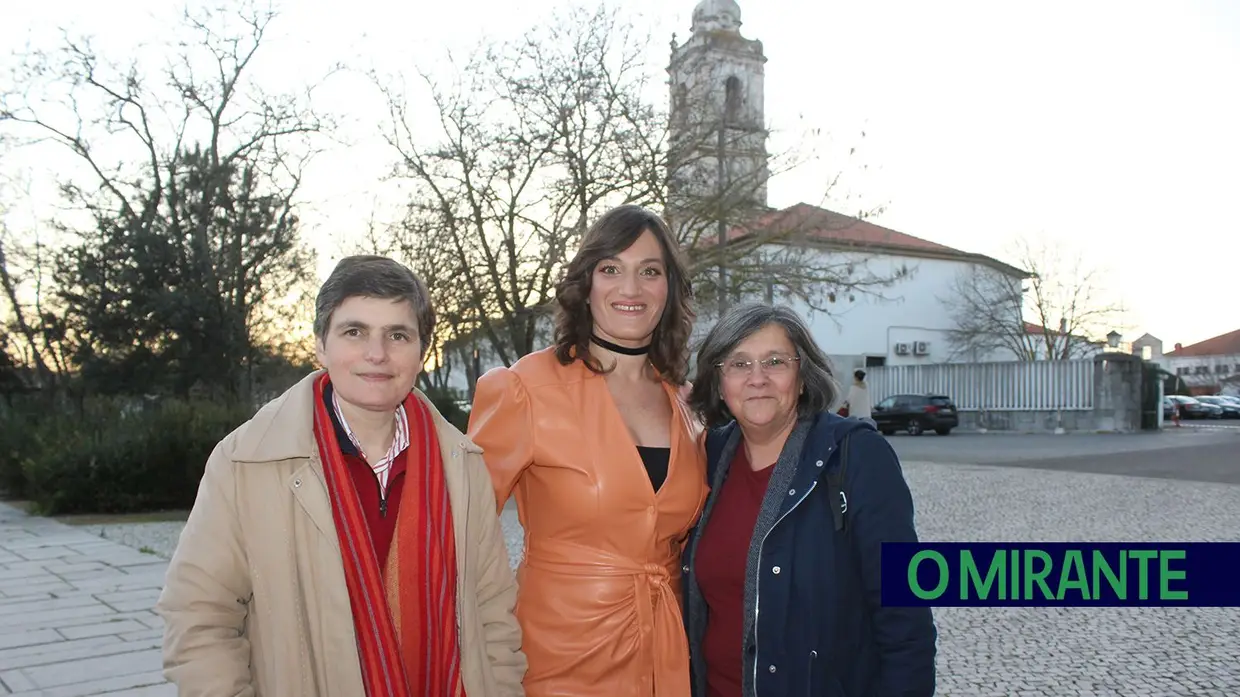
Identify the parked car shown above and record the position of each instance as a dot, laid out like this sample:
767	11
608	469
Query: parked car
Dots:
1230	409
916	413
1192	408
1230	398
1168	407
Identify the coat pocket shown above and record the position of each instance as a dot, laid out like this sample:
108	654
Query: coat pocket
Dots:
817	684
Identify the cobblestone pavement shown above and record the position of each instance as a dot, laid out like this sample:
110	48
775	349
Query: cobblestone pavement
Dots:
982	651
1079	651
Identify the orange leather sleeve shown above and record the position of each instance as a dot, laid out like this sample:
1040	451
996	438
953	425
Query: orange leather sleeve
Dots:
501	423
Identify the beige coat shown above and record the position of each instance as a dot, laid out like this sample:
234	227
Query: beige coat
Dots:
255	601
859	401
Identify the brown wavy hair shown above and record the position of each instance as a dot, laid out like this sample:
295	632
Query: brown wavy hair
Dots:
370	276
610	235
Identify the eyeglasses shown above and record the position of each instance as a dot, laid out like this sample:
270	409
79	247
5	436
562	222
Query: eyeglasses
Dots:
773	365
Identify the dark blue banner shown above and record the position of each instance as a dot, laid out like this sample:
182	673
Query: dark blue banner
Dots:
1070	574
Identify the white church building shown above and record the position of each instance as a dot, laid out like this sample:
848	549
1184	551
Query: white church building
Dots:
717	109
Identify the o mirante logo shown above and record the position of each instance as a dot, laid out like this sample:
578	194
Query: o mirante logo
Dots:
985	574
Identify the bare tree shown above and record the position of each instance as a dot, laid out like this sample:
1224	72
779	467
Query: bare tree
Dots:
1058	311
27	318
536	139
192	237
33	331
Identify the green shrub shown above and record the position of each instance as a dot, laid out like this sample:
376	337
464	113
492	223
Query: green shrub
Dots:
16	425
123	455
119	456
449	407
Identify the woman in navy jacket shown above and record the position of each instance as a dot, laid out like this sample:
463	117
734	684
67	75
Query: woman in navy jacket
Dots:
782	587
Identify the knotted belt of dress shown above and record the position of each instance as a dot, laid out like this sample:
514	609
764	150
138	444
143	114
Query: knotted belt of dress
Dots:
662	636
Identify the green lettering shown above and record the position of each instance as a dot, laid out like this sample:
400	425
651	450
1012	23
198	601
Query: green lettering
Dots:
1038	577
1143	571
970	578
1073	562
1014	586
944	576
1165	574
1119	584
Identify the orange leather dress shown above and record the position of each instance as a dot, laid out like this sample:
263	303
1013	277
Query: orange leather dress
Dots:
599	597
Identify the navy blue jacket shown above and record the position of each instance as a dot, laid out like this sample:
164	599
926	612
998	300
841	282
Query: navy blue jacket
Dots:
814	624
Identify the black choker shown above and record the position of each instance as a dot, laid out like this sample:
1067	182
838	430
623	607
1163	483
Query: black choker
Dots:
617	348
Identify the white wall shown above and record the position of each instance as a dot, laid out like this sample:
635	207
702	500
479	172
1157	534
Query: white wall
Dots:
1203	371
858	324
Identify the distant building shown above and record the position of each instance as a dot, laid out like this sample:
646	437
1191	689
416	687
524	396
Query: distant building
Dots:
718	138
717	128
1149	348
1210	366
906	323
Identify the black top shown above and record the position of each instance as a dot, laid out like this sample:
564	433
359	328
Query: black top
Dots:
655	460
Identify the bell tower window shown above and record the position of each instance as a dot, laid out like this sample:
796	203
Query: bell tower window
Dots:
732	99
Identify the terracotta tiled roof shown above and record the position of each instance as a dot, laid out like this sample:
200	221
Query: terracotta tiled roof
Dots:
1039	330
808	222
1221	345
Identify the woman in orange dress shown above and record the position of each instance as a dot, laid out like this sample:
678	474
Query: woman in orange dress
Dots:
594	440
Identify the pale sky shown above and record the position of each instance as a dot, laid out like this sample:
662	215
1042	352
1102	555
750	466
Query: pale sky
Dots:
1111	127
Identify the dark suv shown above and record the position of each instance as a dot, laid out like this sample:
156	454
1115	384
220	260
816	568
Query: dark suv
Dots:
916	413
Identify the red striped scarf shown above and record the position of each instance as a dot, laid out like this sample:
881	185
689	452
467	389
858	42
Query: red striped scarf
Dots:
405	615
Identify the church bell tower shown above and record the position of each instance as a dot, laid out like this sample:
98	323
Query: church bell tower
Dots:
717	131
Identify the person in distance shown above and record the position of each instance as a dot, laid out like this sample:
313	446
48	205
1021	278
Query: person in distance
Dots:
858	401
782	580
595	441
344	541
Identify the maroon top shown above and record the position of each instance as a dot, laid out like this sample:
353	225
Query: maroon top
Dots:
720	564
380	515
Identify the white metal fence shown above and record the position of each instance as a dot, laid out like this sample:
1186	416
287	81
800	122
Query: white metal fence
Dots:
1017	386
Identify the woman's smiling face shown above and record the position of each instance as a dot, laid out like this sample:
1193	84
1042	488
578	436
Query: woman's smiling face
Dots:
628	293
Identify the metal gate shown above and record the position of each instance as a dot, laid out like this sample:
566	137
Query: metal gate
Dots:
1151	404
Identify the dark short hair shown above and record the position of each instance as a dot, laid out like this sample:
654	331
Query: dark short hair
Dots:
859	374
610	235
370	276
738	324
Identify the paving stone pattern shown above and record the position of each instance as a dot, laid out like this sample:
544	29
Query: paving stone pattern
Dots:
982	651
76	613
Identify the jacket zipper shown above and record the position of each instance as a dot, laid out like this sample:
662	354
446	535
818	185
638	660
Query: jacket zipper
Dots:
382	498
757	601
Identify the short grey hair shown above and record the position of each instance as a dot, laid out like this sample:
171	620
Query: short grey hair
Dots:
821	389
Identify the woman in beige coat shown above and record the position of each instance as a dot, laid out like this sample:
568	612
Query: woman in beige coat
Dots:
259	598
858	401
